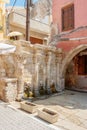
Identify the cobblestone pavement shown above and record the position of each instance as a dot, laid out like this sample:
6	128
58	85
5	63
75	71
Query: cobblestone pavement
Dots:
14	119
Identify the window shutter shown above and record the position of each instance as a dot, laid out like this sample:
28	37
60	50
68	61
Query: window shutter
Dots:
68	17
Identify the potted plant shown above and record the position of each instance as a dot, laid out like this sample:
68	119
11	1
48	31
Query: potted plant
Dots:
28	94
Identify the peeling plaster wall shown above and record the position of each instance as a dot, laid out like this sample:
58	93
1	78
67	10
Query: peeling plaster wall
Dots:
39	65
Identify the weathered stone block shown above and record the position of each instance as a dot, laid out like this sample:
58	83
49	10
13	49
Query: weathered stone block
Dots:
8	89
48	115
28	106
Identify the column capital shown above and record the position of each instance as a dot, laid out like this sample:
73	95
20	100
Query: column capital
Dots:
20	58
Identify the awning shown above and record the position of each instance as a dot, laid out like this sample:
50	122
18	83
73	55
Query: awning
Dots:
11	34
6	48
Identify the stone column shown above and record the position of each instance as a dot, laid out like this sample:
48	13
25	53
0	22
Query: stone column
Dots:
48	72
53	68
20	60
35	74
59	78
44	72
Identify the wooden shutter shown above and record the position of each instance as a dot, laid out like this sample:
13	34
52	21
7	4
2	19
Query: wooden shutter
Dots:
81	65
86	64
36	40
68	17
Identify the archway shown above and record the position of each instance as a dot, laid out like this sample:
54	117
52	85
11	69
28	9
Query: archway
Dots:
75	77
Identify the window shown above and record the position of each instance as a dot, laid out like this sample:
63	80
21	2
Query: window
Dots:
68	17
36	40
14	38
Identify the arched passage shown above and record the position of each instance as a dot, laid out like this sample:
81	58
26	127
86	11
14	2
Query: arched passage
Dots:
72	54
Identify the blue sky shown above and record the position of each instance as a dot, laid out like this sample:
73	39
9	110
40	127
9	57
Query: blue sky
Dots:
18	3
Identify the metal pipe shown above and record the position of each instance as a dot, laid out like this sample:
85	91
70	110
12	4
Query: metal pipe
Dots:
28	20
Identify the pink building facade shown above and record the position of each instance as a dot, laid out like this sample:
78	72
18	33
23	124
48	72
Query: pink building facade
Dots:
80	12
70	16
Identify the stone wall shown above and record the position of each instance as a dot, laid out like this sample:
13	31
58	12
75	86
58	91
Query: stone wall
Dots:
36	65
40	66
8	84
8	89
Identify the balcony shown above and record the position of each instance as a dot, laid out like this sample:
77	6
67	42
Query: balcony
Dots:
19	20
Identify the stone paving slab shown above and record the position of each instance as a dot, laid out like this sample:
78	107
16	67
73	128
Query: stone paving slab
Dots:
68	125
71	108
13	119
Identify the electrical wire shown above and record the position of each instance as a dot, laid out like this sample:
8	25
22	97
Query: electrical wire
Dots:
25	3
20	14
13	5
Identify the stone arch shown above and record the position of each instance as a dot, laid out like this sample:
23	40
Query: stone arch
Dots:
70	56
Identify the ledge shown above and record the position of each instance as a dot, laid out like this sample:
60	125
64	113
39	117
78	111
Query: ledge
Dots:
8	79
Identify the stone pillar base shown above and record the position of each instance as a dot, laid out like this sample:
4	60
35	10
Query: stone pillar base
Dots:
58	88
20	96
36	93
49	91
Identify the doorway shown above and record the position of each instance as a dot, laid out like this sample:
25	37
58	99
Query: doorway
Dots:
76	73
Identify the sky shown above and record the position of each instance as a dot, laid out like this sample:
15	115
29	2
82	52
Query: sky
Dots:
18	2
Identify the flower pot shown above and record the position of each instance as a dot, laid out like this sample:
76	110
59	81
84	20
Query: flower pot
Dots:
28	106
49	115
